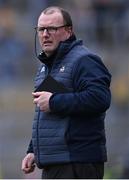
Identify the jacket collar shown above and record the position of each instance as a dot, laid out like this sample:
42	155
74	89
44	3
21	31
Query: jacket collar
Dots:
62	49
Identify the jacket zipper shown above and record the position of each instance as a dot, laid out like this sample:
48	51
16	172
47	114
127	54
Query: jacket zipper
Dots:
47	71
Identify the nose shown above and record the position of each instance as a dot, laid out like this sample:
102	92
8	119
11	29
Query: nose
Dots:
45	32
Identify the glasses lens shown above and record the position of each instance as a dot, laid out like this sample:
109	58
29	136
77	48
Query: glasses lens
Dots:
40	29
51	30
48	29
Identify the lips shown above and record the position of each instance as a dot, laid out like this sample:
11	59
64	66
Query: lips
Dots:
47	43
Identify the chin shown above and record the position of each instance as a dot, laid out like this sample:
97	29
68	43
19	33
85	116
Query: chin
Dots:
48	53
49	50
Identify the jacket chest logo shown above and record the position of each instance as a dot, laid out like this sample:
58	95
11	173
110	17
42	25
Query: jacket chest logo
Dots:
43	69
62	69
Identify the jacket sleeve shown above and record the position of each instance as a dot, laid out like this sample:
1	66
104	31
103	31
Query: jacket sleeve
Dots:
91	81
30	148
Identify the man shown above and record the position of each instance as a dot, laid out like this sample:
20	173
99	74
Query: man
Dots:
68	139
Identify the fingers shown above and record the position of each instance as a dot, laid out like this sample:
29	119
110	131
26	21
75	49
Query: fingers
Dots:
28	165
25	167
41	99
29	169
36	96
35	101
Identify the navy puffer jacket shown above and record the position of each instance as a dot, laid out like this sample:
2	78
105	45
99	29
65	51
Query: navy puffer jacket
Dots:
74	129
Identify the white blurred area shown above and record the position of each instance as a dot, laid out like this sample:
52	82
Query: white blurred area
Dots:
104	27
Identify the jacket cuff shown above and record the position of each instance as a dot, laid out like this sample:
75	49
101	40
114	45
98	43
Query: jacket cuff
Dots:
30	148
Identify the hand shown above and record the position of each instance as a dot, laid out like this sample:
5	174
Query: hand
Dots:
41	99
28	165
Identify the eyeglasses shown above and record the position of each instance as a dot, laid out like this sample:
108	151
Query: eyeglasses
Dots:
49	29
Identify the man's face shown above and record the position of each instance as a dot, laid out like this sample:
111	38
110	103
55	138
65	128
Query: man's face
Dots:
49	39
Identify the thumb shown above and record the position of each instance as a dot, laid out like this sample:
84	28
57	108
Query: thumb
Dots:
35	94
30	162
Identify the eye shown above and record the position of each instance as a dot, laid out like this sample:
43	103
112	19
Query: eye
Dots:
51	29
41	29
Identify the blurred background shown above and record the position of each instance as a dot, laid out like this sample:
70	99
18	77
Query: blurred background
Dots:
104	27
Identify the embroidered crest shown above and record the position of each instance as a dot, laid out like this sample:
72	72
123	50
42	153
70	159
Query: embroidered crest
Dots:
62	69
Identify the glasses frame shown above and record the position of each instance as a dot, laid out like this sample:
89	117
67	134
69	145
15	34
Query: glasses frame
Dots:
49	29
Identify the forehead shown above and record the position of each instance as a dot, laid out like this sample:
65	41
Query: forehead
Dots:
55	18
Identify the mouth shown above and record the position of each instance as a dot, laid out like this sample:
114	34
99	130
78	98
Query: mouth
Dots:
47	43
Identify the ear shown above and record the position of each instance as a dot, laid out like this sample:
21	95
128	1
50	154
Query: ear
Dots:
70	31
